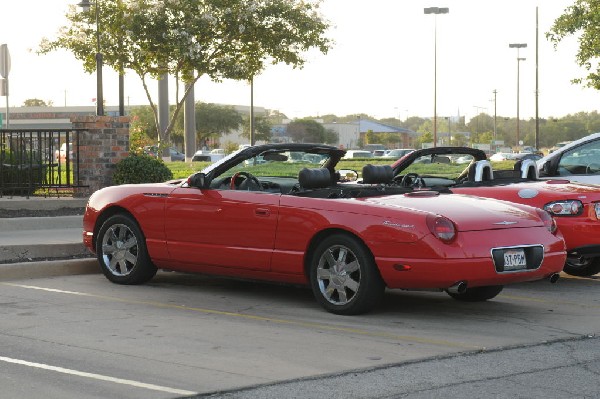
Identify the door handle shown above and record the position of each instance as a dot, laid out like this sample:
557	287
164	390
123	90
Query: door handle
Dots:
262	212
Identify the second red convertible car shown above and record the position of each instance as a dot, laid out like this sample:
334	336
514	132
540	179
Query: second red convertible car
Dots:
575	206
262	214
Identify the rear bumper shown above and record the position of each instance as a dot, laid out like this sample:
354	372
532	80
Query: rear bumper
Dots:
407	273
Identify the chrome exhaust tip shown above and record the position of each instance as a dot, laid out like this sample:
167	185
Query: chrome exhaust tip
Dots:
458	288
554	278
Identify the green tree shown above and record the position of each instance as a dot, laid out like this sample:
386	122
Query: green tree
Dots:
307	131
331	136
262	128
459	140
581	19
188	39
142	130
214	121
426	137
36	102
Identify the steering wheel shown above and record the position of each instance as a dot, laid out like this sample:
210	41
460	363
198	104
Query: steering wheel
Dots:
412	179
247	182
592	168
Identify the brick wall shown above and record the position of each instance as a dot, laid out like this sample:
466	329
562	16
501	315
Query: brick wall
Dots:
103	143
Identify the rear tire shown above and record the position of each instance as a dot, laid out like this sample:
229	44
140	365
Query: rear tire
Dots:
582	267
344	277
121	251
477	294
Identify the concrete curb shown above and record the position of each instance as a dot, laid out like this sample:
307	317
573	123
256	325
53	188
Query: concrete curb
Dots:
37	203
52	268
25	252
41	223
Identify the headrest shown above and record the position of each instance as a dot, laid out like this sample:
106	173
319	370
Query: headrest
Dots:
314	178
528	169
377	174
483	171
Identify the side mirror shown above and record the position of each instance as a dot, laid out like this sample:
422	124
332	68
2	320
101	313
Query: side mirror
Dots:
197	180
546	168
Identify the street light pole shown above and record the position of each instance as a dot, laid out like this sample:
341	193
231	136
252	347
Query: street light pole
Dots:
518	46
495	115
85	5
435	11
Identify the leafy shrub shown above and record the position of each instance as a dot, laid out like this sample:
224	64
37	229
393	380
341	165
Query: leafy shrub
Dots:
141	169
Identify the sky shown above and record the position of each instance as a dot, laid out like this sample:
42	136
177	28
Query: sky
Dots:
381	63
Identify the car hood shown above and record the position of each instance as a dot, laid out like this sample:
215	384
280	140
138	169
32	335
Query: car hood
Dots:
469	213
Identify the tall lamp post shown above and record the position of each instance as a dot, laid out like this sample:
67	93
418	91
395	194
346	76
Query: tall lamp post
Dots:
85	5
518	46
435	11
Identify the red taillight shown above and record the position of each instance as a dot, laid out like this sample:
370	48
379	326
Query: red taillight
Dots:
441	227
548	220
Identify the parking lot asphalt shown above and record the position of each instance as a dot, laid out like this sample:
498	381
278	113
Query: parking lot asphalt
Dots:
47	246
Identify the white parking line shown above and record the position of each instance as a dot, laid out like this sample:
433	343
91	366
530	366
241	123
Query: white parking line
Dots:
100	377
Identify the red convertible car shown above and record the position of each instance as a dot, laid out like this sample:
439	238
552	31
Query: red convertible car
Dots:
575	206
282	212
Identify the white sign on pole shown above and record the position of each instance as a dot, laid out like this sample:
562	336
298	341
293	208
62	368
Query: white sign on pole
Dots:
4	61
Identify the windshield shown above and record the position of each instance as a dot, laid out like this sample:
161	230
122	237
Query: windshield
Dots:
280	164
440	165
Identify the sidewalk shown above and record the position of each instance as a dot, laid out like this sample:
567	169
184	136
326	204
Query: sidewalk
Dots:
43	245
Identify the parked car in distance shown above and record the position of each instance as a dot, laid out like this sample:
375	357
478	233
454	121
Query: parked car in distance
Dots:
295	222
350	154
207	156
575	207
61	154
398	153
514	156
175	155
374	147
577	161
559	145
502	156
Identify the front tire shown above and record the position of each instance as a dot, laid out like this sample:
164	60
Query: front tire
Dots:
477	294
582	267
344	277
121	251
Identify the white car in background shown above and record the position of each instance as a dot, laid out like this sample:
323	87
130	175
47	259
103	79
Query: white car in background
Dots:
61	154
208	156
578	161
398	153
350	154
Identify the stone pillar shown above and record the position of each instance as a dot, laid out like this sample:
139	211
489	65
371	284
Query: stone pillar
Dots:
103	142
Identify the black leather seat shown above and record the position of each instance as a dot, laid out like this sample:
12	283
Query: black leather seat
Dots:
314	178
377	174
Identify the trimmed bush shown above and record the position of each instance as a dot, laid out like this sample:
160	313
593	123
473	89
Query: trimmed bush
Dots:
141	169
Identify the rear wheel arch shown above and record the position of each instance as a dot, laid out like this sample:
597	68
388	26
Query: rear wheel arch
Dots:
323	234
342	273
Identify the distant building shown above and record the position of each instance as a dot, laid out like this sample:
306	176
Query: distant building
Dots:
351	134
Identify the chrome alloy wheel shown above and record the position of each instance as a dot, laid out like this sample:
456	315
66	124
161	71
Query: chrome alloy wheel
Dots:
338	275
119	250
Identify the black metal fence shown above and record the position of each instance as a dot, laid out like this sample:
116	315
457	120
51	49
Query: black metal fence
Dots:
39	162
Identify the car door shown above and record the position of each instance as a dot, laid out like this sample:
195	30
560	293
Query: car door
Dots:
581	163
226	228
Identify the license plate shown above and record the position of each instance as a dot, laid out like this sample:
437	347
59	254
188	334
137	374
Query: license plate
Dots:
514	259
